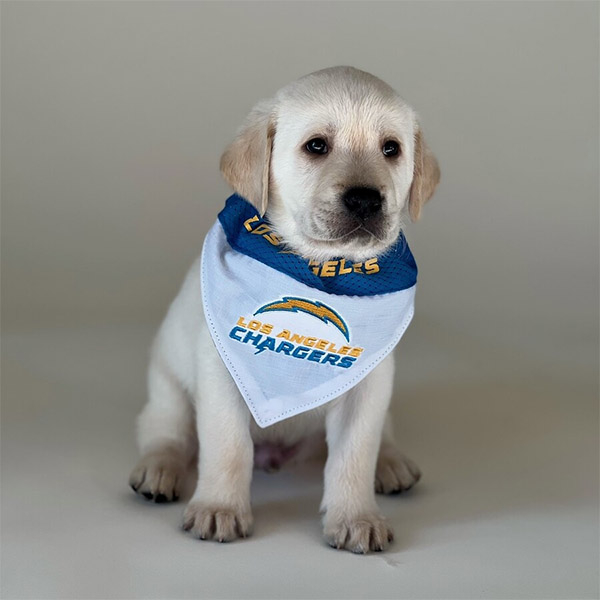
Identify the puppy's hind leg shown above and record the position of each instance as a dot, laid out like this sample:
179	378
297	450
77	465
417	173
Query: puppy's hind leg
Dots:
395	472
166	437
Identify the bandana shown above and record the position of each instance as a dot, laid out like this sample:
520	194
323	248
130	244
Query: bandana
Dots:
295	334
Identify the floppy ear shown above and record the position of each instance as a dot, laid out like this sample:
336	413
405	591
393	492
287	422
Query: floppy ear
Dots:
426	176
246	162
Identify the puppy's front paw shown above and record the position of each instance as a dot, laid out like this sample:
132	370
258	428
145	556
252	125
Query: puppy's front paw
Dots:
159	476
222	524
369	532
395	473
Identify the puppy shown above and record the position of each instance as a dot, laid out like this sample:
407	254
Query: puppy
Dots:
296	159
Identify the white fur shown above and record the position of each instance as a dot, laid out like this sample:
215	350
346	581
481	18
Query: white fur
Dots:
357	113
191	394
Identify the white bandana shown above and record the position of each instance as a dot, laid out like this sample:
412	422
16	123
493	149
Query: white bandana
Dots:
296	334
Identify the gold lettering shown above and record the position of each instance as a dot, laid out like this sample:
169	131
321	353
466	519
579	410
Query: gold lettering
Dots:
250	220
371	266
273	238
262	228
321	344
343	269
314	266
328	269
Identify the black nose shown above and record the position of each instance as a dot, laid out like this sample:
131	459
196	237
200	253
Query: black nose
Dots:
362	202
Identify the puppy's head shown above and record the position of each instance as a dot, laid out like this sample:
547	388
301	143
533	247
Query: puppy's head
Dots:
335	158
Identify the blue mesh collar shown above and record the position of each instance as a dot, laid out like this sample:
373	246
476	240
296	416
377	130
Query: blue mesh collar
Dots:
251	235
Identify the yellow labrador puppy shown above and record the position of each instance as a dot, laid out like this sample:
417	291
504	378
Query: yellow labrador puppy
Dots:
335	160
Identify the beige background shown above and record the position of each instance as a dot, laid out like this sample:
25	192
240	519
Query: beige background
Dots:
114	116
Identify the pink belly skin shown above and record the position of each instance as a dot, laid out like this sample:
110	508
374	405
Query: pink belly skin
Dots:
270	456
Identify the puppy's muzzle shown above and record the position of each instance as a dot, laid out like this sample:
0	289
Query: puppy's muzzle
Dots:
363	202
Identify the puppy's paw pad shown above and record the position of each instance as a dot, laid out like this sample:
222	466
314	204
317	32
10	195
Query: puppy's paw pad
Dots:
395	473
223	524
367	533
159	477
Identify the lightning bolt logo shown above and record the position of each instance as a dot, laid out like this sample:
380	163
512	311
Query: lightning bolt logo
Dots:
316	309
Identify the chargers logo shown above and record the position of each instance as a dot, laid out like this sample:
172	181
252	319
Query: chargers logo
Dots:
316	309
280	338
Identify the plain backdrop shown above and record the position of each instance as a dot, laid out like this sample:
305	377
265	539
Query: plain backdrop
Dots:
113	118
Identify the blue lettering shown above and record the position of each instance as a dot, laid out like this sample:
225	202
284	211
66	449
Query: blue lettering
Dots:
285	347
232	333
268	344
315	355
254	338
330	359
301	352
346	362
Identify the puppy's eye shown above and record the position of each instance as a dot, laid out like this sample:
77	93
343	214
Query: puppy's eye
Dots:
317	146
391	148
